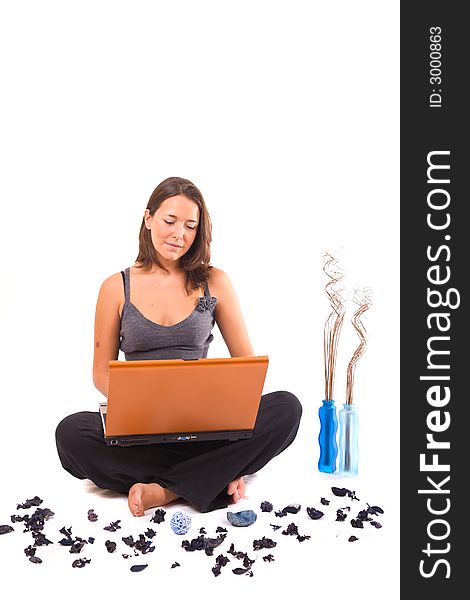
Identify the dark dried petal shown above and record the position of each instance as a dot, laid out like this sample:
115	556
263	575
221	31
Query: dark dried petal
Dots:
175	564
110	546
37	519
266	506
293	509
339	491
235	553
129	541
144	545
220	530
66	542
81	562
324	501
352	495
91	540
291	530
92	516
302	538
374	510
194	544
340	515
353	538
158	516
239	571
18	518
376	524
268	558
136	568
314	514
343	492
280	513
5	529
36	501
113	526
247	561
30	551
222	560
202	530
357	523
77	546
275	527
35	559
40	539
203	543
213	543
264	542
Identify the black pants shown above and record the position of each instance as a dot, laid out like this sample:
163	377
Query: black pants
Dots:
199	472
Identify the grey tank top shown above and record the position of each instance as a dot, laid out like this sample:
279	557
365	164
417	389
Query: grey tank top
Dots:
143	339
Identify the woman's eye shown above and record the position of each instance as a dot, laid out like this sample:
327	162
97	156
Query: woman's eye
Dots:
192	227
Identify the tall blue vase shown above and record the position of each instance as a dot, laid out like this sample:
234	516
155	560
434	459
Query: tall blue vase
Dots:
327	437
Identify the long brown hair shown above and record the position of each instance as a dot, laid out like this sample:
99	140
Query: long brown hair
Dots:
196	262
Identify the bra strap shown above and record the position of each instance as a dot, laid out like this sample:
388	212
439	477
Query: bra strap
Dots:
126	284
207	293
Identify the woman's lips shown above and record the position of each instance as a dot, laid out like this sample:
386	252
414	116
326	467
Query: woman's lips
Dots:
173	246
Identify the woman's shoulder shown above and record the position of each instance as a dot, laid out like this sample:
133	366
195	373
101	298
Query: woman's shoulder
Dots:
217	276
218	282
112	286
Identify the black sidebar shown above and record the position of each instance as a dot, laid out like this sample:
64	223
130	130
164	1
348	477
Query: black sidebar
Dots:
434	258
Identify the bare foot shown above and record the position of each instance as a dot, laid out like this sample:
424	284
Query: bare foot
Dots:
236	489
148	495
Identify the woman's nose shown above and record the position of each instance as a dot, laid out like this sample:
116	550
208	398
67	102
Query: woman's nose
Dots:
178	231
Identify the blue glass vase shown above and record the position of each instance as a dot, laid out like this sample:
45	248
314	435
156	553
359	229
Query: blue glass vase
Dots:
348	440
327	437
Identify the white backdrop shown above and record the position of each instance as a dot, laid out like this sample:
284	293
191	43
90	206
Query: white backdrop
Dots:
286	116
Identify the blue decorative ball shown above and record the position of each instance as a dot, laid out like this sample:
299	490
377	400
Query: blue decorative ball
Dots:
180	523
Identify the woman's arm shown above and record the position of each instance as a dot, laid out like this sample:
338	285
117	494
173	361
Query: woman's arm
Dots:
228	315
107	326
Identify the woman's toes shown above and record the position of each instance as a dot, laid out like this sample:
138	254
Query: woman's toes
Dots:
135	500
236	489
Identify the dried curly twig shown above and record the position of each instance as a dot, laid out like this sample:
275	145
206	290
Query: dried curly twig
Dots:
363	299
334	322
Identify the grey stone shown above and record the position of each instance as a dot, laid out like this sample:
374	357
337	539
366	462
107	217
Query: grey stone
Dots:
242	518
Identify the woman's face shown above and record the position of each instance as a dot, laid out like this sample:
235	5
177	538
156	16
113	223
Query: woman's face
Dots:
173	226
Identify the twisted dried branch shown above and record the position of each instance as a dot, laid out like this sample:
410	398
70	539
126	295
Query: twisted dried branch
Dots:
334	321
363	299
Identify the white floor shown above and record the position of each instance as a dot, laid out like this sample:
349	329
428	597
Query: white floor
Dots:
326	565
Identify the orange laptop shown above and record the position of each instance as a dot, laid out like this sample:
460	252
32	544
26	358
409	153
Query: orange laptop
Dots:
155	401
